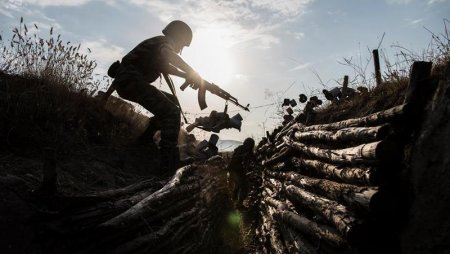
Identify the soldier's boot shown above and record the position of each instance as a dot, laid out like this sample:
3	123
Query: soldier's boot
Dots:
169	160
147	136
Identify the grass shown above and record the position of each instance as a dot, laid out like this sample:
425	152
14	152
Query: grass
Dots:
46	102
395	81
46	88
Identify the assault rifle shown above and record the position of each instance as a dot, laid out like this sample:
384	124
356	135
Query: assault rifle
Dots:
214	89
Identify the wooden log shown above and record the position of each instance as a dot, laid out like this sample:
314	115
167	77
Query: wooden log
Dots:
144	205
350	195
276	203
298	121
311	228
148	205
151	240
268	192
352	175
338	215
281	155
374	119
173	208
279	205
294	242
274	232
148	185
275	182
264	148
384	151
352	134
280	166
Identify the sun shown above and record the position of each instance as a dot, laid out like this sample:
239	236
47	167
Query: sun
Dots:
211	56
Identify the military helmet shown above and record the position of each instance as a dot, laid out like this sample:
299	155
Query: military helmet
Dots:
249	143
179	31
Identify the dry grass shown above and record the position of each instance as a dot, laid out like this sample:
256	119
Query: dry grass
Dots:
387	95
396	77
45	97
28	54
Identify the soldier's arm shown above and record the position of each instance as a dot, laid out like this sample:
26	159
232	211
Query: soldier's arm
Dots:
177	62
170	69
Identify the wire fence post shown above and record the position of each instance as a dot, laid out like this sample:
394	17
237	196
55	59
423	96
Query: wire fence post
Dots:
376	61
344	87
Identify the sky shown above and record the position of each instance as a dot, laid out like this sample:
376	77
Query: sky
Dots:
260	51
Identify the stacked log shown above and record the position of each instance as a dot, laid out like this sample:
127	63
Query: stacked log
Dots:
330	176
337	185
188	214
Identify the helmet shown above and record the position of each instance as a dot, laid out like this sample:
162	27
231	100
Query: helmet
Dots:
179	31
249	143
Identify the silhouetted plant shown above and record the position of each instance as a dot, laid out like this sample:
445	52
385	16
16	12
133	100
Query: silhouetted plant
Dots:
49	58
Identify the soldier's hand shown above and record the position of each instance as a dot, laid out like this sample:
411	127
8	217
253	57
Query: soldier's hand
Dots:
194	78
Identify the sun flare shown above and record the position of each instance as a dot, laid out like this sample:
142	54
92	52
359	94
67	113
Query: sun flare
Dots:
210	55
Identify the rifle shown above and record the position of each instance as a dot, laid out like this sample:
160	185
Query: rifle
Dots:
214	89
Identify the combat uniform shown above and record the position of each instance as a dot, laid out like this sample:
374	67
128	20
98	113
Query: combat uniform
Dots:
144	65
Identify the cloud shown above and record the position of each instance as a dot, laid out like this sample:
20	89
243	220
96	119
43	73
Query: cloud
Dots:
284	8
8	6
240	20
45	3
6	13
103	52
399	1
300	67
416	21
430	2
297	35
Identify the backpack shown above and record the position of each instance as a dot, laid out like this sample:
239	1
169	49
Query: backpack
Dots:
114	69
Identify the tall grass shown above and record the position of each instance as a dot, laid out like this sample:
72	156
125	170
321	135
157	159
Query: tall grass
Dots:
395	78
45	97
47	57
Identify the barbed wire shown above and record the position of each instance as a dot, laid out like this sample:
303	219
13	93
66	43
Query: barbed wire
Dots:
230	111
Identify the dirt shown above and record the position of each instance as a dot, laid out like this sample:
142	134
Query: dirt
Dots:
428	226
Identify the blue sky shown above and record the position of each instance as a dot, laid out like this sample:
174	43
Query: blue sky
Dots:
258	50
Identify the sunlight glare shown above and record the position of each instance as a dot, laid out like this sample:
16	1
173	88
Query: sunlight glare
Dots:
210	55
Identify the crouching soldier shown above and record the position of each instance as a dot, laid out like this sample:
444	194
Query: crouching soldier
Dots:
146	63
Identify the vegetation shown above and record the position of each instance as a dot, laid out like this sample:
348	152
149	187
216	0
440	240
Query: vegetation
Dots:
395	80
46	96
46	103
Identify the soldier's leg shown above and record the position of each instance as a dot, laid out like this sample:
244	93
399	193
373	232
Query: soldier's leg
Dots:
133	87
163	106
147	136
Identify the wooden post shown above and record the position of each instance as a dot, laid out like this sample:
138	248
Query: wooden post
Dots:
376	61
344	88
420	73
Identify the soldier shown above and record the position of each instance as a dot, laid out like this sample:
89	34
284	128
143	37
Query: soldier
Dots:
238	167
144	64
